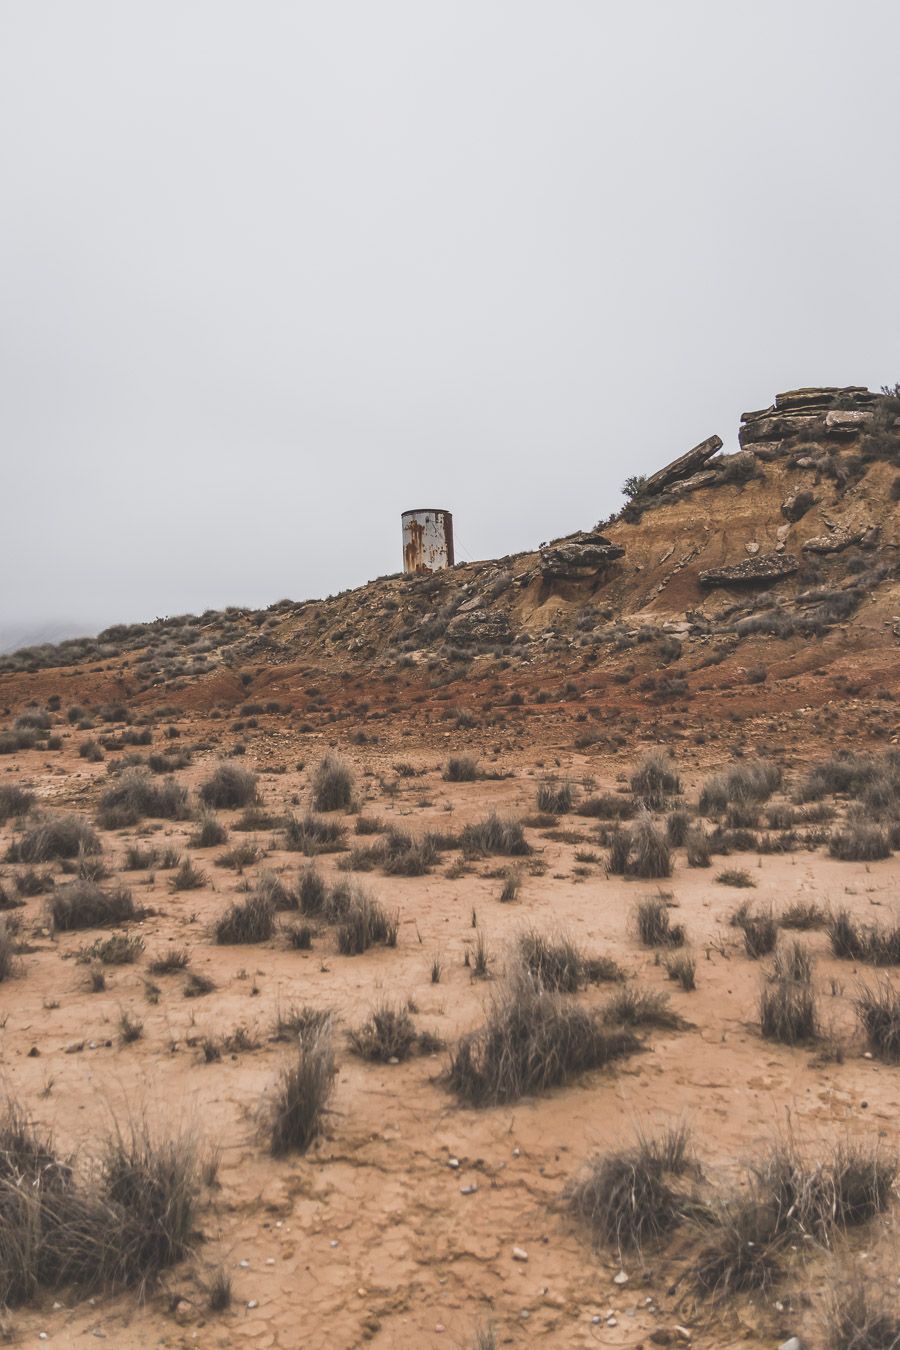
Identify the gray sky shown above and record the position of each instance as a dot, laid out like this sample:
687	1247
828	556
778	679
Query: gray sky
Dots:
271	272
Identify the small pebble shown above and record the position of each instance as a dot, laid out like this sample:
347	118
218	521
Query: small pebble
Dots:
439	1327
469	1190
253	1303
453	1162
244	1264
621	1278
334	1243
519	1254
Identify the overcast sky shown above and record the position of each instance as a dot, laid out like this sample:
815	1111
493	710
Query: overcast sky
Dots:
271	271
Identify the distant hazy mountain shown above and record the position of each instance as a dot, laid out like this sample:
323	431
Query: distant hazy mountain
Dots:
16	635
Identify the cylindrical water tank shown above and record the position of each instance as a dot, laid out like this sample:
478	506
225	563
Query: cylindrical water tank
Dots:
427	540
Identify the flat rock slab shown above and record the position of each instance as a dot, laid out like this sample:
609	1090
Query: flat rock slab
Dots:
758	571
683	467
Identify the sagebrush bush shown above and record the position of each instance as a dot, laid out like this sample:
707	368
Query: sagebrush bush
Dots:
655	781
14	801
84	904
249	920
787	1011
654	925
533	1039
138	794
297	1115
878	1010
388	1033
554	797
493	835
54	838
229	787
461	769
313	835
640	851
210	832
332	785
750	782
627	1199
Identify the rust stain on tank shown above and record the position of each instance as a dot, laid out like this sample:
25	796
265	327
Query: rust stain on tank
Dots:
427	540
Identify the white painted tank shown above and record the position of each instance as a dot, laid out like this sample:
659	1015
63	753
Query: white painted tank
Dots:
427	540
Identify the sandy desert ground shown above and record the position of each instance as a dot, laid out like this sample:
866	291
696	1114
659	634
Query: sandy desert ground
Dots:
415	1220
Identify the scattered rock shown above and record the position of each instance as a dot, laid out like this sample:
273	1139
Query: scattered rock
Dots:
761	570
519	1254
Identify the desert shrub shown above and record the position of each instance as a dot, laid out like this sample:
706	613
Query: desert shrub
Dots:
554	963
735	876
627	1199
279	896
34	883
787	1011
154	1184
682	969
461	769
634	1007
678	824
655	781
118	950
91	750
362	921
170	962
760	933
119	1226
187	877
11	742
369	825
210	832
14	801
138	794
878	1010
555	798
84	904
7	950
847	774
749	782
312	891
803	915
699	849
301	1098
332	785
744	1250
860	841
402	856
493	835
313	835
793	962
533	1039
388	1033
876	944
241	855
249	920
138	859
846	1188
229	787
608	807
512	883
641	851
861	1316
52	838
654	926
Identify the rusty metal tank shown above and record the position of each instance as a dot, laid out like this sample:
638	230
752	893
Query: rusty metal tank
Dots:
427	540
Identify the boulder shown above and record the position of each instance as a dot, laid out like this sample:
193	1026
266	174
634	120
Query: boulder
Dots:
763	570
684	467
795	507
839	539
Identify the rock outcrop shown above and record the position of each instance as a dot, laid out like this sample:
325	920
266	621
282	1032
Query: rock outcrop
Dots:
763	570
683	467
814	414
579	557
